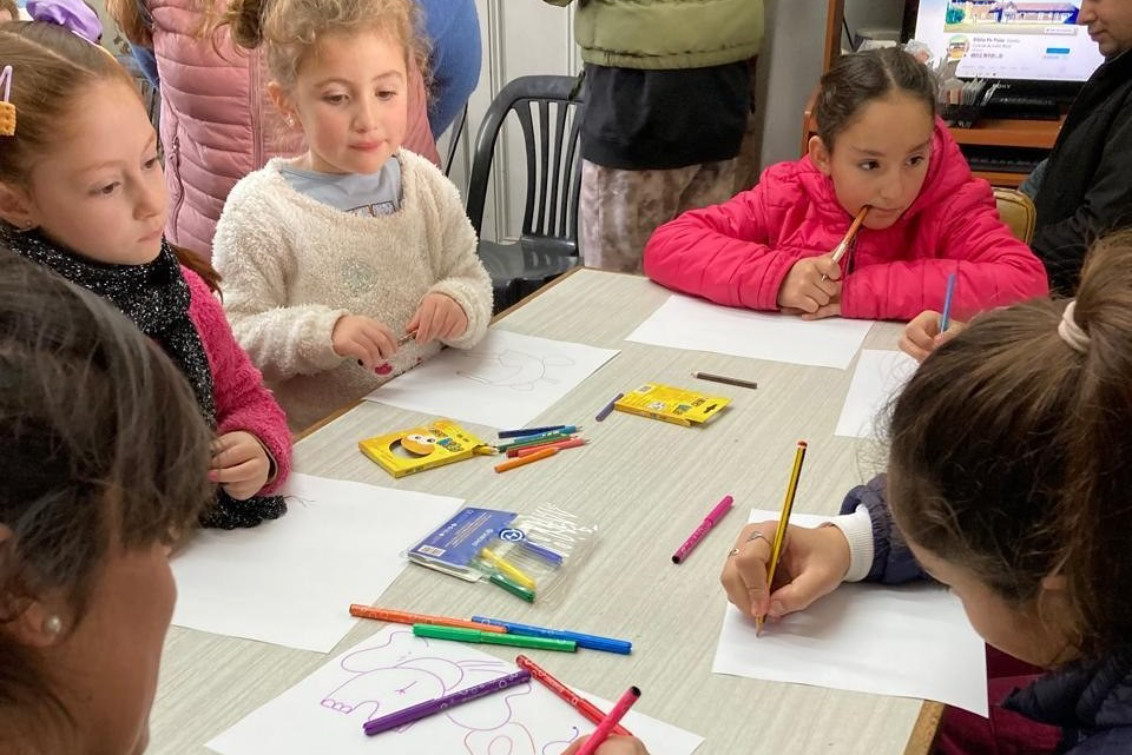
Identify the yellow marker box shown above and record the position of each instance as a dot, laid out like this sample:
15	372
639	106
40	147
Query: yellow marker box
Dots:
407	452
669	404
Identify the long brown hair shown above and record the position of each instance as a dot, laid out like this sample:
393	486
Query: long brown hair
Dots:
104	449
1010	451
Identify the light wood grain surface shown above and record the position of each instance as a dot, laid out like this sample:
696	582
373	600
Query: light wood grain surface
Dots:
646	485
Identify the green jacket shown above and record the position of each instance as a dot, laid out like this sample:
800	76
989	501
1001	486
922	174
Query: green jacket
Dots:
667	34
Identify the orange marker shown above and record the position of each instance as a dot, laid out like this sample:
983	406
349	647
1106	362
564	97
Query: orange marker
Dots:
405	617
561	444
542	453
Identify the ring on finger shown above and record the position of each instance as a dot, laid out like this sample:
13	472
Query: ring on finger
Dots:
756	535
733	552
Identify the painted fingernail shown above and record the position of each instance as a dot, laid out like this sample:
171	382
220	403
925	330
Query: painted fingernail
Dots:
383	369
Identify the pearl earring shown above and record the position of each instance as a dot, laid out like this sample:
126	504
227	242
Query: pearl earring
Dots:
53	625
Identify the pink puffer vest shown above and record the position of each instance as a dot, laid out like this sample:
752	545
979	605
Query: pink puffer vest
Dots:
218	124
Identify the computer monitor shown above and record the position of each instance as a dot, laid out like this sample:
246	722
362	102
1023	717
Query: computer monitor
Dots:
1007	40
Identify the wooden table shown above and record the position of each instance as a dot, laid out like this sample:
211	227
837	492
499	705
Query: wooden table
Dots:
646	484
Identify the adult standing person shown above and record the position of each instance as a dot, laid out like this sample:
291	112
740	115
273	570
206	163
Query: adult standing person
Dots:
667	104
454	58
217	123
1084	189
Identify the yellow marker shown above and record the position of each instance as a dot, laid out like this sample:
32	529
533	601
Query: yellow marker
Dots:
507	568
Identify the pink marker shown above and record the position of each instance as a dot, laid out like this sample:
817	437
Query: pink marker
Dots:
712	519
601	733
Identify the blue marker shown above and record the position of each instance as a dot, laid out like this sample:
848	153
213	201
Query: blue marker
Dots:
532	431
945	318
562	433
546	554
590	641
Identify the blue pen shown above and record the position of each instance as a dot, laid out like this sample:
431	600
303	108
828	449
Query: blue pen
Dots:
945	318
590	641
531	431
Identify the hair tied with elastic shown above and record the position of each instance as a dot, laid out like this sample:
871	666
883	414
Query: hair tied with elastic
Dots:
7	109
73	15
1070	331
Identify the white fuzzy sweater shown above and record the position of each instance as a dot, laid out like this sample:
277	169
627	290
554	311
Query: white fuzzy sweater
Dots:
292	266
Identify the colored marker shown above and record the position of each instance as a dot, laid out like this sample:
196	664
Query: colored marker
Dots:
560	445
714	516
546	554
512	449
588	641
405	617
537	431
590	711
513	572
543	453
432	707
726	380
515	589
473	635
608	408
605	728
945	318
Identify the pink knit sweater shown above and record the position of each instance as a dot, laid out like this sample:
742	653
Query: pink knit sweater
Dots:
243	402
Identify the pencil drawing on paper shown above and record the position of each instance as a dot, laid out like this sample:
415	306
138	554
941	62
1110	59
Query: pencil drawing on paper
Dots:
514	369
400	672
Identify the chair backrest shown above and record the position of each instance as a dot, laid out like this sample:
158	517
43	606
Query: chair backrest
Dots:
553	159
1017	211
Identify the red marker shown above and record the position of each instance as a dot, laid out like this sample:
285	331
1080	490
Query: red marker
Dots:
579	703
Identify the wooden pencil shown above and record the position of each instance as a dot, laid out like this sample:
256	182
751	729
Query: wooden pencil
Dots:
783	522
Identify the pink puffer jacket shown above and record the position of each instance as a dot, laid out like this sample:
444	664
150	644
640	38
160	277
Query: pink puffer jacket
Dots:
218	124
739	252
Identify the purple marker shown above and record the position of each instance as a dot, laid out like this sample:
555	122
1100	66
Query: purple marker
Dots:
608	408
710	521
432	707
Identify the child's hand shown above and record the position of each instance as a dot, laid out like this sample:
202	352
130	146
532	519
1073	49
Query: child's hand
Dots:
438	316
612	746
805	290
812	564
240	464
367	340
921	336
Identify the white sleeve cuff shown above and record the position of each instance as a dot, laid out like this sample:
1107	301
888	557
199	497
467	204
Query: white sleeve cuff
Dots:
858	530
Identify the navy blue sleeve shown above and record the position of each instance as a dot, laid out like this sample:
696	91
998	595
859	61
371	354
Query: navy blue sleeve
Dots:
893	562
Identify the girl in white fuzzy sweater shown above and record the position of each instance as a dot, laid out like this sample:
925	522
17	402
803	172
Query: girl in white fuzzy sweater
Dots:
351	263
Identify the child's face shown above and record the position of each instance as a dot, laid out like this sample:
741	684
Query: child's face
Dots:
880	159
1019	631
110	659
351	96
100	190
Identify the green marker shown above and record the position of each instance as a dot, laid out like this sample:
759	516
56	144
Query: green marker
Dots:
512	587
458	634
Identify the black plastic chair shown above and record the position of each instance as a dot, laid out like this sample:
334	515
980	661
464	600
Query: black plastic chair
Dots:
548	244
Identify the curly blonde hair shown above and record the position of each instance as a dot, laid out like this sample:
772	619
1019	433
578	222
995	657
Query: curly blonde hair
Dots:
289	29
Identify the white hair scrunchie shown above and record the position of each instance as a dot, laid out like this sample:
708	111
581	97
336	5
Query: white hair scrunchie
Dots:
1070	331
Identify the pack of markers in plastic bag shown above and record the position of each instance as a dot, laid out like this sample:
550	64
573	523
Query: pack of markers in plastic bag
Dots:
533	555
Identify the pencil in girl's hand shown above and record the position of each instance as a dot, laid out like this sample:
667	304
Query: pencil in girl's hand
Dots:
783	522
945	318
840	249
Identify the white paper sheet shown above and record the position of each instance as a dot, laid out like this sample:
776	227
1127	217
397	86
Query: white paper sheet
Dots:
879	377
686	323
506	381
911	641
392	670
291	581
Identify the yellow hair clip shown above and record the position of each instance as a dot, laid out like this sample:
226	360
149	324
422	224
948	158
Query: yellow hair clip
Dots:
7	109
